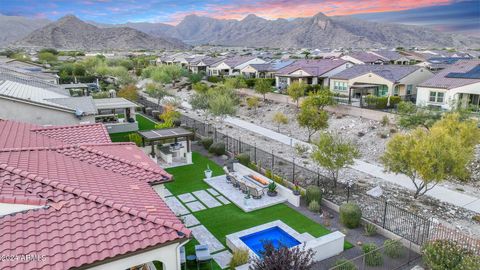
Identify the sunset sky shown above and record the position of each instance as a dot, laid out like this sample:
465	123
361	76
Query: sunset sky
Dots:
447	15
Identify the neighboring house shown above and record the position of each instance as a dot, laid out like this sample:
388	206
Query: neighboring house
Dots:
456	86
72	199
38	102
311	72
201	63
379	80
438	63
232	66
175	59
392	57
266	70
365	58
28	70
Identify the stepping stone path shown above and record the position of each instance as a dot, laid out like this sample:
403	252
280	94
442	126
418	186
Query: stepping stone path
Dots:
204	237
195	206
206	198
213	192
190	220
176	206
223	199
186	197
162	191
222	258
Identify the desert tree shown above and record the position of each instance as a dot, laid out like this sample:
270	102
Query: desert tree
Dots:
296	90
429	156
156	90
334	153
263	86
252	102
312	118
279	119
129	92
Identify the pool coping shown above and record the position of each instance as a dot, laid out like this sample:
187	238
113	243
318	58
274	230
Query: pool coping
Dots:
235	243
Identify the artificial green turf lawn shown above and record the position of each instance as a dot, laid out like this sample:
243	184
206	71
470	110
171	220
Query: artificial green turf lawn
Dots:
189	178
143	124
227	219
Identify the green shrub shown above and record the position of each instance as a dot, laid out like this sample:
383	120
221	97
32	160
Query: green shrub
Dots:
385	120
268	173
243	158
370	229
350	215
313	193
278	179
250	82
217	148
381	102
344	264
445	254
239	257
214	79
393	249
207	142
252	166
373	257
314	206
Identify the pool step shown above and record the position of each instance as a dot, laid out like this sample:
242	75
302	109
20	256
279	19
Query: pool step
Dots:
304	237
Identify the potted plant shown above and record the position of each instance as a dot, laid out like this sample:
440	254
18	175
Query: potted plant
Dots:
208	172
296	189
272	189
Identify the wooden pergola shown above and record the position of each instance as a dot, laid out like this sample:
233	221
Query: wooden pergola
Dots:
154	135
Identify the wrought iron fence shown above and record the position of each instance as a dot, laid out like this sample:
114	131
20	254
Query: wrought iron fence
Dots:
390	256
387	215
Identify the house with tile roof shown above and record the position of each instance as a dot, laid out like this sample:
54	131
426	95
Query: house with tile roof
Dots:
393	57
72	199
231	66
365	58
458	85
311	72
379	80
29	99
266	70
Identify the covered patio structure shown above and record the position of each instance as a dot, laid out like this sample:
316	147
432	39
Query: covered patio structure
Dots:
170	147
118	114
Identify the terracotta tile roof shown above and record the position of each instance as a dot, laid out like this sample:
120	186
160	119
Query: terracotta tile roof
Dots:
89	133
98	203
442	80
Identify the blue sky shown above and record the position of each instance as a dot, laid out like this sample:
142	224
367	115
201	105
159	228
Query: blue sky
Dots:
446	15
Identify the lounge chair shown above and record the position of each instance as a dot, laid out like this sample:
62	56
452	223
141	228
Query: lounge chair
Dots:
203	255
243	187
255	193
183	257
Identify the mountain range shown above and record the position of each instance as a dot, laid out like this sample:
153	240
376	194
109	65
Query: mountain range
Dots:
319	31
71	33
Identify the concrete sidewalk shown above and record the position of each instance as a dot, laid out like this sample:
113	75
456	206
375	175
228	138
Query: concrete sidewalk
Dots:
441	193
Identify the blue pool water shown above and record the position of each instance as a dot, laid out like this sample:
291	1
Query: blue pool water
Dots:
275	235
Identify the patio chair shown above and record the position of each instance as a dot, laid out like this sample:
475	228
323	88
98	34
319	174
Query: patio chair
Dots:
183	257
203	255
235	182
255	193
243	187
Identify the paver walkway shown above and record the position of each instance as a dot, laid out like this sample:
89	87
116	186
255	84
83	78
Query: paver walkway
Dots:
195	206
204	237
206	198
438	192
190	220
176	206
186	197
222	258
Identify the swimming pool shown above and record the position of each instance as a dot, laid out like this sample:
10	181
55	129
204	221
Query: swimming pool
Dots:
274	234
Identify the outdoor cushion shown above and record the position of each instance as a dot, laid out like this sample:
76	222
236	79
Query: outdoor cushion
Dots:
259	179
201	247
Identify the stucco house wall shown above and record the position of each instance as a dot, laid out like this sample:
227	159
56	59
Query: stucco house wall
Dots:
37	114
451	96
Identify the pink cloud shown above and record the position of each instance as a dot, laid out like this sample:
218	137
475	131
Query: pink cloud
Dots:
273	9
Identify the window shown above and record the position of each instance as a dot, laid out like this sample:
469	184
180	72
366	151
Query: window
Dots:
436	97
341	86
382	91
409	89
